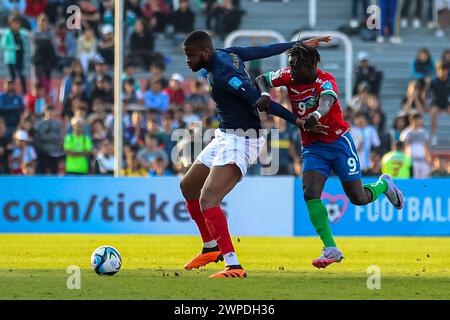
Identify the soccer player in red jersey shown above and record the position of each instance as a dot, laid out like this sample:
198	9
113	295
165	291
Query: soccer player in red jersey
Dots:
313	94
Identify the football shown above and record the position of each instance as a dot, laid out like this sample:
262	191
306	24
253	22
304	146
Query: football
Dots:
106	261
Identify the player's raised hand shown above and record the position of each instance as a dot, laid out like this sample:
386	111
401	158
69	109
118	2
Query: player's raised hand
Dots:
315	42
263	103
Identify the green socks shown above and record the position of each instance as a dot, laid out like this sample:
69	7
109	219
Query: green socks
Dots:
318	215
377	188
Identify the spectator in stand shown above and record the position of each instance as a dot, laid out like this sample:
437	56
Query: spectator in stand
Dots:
142	45
106	11
133	166
6	147
56	10
367	73
76	74
377	119
78	149
14	44
159	13
440	95
406	9
136	132
34	8
102	90
49	137
106	44
179	119
101	72
357	20
130	93
76	98
90	16
416	139
129	73
87	49
396	163
166	135
441	168
157	73
389	21
160	168
415	99
189	116
183	21
175	91
443	9
44	54
155	98
37	101
65	45
445	60
227	18
365	137
375	165
199	97
99	110
285	143
79	111
148	153
400	124
9	7
11	106
99	134
23	152
423	70
104	160
360	102
154	129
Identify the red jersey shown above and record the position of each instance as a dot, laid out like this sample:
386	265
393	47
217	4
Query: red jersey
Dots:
305	100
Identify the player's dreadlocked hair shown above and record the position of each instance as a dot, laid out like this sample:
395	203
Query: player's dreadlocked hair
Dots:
306	55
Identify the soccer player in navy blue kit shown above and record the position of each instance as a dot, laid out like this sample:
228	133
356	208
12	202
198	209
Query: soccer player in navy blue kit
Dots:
221	165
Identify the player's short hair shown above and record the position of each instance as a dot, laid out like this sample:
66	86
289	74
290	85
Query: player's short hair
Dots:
306	55
198	38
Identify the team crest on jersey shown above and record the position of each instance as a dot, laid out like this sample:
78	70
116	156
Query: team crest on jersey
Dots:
327	85
307	102
235	82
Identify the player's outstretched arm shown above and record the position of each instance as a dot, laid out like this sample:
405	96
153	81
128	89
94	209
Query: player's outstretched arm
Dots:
265	51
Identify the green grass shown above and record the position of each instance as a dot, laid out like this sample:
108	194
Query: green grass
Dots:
34	267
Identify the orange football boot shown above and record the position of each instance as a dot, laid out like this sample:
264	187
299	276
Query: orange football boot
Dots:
203	259
230	272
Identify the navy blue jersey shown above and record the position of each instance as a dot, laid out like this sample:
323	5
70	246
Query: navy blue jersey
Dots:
231	86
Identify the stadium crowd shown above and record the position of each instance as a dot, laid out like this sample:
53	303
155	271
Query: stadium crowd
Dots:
68	128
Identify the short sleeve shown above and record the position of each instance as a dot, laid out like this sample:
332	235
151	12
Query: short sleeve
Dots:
278	78
328	86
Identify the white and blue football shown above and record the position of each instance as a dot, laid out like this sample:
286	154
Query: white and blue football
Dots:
106	261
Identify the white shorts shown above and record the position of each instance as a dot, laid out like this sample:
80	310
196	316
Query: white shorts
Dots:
227	148
421	169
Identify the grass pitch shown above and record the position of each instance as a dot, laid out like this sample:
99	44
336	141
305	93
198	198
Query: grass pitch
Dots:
34	267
